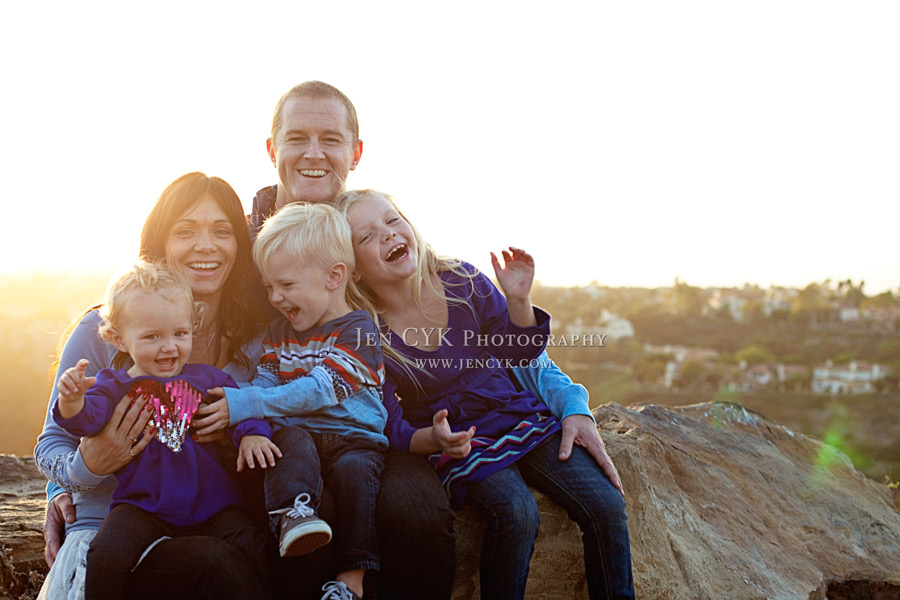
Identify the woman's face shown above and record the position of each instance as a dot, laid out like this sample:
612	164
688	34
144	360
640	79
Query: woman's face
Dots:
202	246
383	241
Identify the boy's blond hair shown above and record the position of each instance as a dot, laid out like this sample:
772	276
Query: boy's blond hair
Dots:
309	233
148	277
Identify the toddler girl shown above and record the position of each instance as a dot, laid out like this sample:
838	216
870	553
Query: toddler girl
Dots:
175	486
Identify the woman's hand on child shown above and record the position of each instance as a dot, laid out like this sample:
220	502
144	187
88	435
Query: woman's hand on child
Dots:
73	384
516	275
213	416
120	440
581	430
454	445
257	450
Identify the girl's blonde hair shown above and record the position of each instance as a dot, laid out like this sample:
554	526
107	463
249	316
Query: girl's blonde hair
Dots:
429	264
150	278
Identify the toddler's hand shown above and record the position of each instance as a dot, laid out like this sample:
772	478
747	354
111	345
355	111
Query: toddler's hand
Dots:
257	449
454	445
516	275
73	384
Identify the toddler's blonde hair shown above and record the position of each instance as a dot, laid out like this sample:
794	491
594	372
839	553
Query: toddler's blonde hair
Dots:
150	278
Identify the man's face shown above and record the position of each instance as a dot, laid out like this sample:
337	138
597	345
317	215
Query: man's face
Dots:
313	150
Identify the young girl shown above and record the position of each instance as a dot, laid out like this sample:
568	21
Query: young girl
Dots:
175	486
448	338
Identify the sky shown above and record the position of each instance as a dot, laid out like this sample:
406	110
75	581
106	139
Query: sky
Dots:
627	143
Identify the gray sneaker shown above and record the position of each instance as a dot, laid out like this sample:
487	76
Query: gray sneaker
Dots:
301	530
338	590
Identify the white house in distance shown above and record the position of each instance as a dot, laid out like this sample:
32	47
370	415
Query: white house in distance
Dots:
609	324
855	377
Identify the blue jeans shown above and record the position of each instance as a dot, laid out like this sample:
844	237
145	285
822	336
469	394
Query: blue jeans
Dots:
580	487
416	539
350	468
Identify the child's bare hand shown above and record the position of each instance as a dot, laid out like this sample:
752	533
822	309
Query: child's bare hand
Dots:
73	384
257	450
454	445
211	417
517	273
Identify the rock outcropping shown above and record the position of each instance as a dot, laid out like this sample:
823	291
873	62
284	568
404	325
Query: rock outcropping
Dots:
722	503
21	516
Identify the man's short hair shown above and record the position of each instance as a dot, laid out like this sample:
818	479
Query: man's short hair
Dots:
316	89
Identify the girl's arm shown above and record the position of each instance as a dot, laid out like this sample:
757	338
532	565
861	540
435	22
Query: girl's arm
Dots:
499	333
439	438
515	278
548	382
57	454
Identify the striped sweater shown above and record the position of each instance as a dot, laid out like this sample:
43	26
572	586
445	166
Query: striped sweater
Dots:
324	379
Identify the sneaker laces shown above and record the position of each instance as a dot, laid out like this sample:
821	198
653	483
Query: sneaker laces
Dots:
301	508
337	590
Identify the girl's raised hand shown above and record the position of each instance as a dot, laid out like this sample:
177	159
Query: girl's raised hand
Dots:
517	273
455	445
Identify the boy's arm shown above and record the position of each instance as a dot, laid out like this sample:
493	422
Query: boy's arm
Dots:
300	396
350	365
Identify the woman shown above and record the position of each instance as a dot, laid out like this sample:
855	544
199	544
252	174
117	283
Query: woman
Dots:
455	384
198	227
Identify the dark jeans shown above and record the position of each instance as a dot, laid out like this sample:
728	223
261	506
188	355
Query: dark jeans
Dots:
350	468
416	540
128	531
194	568
580	487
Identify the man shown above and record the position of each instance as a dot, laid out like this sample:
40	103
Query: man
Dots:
314	145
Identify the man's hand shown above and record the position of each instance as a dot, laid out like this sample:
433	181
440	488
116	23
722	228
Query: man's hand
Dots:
581	430
60	511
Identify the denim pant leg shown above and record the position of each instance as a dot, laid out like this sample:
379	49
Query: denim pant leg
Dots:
416	539
296	472
351	469
581	487
512	526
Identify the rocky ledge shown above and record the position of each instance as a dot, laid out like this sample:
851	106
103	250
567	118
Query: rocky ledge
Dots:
722	503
